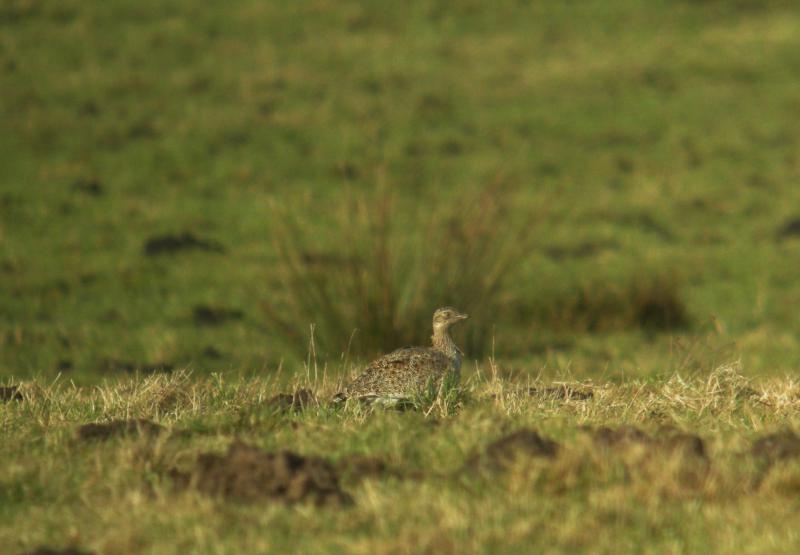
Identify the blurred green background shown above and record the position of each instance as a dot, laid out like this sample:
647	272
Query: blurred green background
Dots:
609	188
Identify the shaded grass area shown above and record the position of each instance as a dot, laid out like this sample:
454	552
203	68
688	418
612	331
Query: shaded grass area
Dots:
650	150
681	462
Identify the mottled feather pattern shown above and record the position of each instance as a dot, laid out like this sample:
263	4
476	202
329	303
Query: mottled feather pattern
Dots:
402	370
408	371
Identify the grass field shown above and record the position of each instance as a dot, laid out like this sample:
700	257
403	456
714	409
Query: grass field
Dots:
513	465
203	208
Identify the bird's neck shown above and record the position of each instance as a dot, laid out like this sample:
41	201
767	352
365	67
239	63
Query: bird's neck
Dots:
443	342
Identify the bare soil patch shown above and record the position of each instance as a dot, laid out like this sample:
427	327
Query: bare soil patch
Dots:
668	442
585	249
58	551
64	365
118	428
207	315
672	463
355	468
790	228
172	243
248	474
210	351
686	444
91	186
110	365
777	446
614	437
502	454
10	393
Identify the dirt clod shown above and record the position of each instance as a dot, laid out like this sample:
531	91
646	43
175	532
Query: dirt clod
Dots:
608	437
668	442
206	315
91	187
210	351
672	462
172	243
64	365
686	444
43	550
777	446
581	250
118	428
297	401
354	468
10	393
109	365
789	229
502	454
248	474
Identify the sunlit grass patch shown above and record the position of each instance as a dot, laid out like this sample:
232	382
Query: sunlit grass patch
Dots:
694	450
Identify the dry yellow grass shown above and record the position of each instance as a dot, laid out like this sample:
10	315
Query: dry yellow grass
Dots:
683	464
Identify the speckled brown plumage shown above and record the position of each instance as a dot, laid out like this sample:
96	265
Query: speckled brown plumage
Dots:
407	372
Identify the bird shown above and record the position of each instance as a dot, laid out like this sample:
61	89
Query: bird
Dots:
407	372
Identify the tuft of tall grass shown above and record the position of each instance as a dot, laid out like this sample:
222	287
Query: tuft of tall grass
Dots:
369	279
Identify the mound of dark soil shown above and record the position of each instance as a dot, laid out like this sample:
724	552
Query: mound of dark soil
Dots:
207	315
118	428
248	474
624	435
297	401
172	243
686	444
561	392
669	442
580	250
92	187
777	446
355	468
10	393
507	451
64	365
790	228
675	464
56	551
210	351
109	365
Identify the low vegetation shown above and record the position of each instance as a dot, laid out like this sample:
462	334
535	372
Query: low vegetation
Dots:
163	463
209	218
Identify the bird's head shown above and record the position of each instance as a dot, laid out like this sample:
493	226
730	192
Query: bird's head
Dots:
445	317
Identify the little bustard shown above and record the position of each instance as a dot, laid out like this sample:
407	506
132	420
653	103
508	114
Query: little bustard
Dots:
407	372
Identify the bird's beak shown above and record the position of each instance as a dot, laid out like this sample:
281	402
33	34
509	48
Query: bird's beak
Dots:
463	316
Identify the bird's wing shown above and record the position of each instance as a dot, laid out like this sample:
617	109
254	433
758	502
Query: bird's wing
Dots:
406	369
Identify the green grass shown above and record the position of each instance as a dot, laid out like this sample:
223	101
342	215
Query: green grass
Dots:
634	142
609	188
117	495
